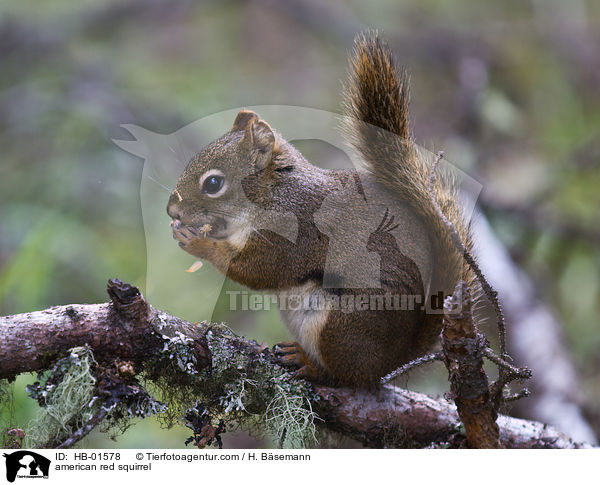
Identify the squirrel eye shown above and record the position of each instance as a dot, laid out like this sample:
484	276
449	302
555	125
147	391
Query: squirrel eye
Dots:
213	183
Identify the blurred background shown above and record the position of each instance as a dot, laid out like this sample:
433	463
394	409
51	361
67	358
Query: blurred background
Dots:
509	90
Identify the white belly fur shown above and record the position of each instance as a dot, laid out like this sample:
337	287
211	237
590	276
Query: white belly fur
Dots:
305	324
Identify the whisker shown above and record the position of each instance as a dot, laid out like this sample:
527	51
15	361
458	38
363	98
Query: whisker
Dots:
158	183
177	158
222	213
183	150
260	234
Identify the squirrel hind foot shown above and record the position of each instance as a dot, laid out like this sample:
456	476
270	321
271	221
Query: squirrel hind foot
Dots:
291	355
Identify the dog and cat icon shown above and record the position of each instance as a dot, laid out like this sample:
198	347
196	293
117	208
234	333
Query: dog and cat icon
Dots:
26	463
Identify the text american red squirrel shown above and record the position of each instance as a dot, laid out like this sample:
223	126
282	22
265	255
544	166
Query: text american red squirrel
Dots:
240	185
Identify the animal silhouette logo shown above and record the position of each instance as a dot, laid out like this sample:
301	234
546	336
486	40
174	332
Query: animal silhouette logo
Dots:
166	156
26	463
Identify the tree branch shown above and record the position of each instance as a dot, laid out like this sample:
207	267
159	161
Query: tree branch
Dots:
129	330
463	347
126	329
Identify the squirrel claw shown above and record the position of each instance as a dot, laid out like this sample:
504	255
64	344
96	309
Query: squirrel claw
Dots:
290	354
183	234
308	372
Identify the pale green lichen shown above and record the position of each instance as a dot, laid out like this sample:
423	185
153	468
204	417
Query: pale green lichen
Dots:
179	351
257	395
235	394
7	415
240	388
289	418
172	373
68	404
69	399
7	401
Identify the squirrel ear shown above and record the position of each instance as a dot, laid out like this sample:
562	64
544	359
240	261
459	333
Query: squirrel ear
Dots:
263	138
243	119
264	143
260	139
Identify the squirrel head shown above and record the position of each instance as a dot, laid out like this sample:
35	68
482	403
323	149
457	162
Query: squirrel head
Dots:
223	186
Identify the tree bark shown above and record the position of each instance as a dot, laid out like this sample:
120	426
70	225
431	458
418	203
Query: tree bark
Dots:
128	329
462	347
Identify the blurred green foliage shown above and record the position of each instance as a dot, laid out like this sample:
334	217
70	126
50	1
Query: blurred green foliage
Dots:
508	89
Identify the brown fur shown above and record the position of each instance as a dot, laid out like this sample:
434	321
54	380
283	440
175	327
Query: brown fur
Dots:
267	175
376	102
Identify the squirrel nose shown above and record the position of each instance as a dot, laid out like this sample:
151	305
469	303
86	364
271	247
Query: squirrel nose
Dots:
174	211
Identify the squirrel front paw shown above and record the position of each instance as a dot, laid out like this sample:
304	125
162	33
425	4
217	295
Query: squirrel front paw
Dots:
184	234
290	354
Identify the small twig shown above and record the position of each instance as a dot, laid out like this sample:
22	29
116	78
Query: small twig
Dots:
519	395
488	290
411	365
506	374
497	388
520	373
85	429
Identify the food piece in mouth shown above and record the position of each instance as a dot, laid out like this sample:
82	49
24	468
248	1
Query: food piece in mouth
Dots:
205	229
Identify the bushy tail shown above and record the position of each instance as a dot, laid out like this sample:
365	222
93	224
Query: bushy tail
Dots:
376	102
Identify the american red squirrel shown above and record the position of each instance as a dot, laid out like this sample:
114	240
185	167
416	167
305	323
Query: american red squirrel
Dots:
225	209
